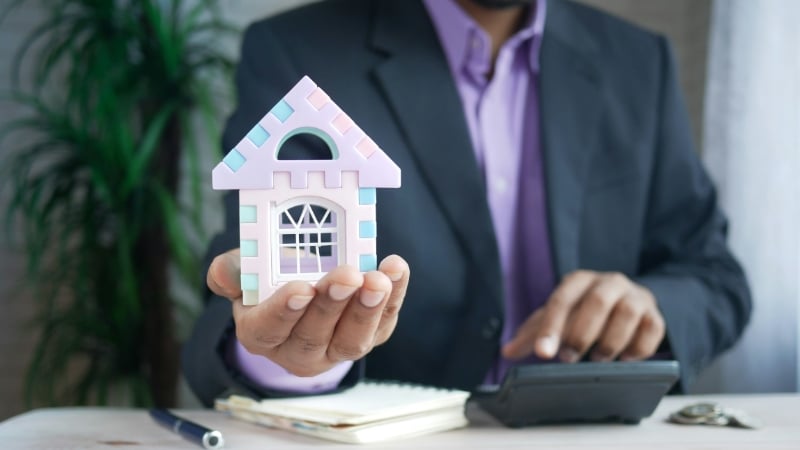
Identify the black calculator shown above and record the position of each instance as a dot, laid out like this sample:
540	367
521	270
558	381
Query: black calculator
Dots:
584	392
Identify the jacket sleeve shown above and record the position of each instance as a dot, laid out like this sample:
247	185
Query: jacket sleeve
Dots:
685	261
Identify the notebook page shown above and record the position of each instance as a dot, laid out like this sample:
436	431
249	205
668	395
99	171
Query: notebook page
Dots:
366	402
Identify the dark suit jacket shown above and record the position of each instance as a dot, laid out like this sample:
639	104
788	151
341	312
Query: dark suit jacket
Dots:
625	189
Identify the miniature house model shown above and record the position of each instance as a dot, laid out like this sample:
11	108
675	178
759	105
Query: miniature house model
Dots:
298	219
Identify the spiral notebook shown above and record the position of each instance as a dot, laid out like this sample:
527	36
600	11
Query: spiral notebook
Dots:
368	412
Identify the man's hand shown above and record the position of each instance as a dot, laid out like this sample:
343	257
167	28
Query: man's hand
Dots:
309	329
604	312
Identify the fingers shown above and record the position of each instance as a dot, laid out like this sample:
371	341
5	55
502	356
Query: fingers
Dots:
397	270
648	337
305	348
619	332
543	335
223	277
307	329
606	311
264	327
589	318
355	332
524	343
371	320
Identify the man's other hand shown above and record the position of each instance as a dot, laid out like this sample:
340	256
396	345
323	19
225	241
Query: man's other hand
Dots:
309	329
602	312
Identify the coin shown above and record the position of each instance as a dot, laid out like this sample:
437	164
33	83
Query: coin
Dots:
720	420
701	410
713	414
740	419
679	418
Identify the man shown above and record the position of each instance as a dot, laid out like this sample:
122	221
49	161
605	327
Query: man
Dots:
552	204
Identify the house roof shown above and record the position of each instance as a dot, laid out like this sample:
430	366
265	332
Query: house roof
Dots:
305	109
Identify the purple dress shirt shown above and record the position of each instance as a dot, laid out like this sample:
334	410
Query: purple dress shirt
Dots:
502	114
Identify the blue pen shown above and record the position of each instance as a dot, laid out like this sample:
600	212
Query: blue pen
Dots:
198	434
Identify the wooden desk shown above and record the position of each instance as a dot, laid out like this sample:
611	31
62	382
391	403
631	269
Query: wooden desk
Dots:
98	428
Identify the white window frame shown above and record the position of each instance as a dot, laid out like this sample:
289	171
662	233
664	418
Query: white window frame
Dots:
278	233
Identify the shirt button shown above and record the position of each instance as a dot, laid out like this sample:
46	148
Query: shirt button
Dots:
476	43
491	327
501	185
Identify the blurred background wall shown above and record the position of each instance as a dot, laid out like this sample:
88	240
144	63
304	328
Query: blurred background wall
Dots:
685	22
16	338
752	150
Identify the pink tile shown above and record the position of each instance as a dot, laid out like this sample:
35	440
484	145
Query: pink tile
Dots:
367	147
342	123
318	98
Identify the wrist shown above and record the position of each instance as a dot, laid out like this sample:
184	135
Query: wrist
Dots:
266	373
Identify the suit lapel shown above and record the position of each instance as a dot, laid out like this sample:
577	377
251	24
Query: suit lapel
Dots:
570	105
417	84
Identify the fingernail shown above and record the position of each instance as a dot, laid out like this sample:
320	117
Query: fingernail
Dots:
341	291
548	346
395	276
232	263
297	302
371	298
625	357
600	357
568	355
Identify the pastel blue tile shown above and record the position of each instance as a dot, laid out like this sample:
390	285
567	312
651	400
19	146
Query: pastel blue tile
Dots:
258	135
234	160
366	196
249	282
248	247
282	110
367	262
248	214
367	229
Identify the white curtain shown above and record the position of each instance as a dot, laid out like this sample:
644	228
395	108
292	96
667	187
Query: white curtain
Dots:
752	149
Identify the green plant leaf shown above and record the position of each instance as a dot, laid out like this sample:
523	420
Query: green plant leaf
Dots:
89	172
147	147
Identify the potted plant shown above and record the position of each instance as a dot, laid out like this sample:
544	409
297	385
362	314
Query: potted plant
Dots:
111	92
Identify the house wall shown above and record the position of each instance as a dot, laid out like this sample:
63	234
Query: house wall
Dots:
355	250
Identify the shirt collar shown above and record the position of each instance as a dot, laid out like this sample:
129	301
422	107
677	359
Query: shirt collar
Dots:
467	47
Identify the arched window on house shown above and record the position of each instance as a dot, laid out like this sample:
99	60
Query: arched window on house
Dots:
311	238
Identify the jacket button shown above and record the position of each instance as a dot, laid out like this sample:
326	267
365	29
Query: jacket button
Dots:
491	328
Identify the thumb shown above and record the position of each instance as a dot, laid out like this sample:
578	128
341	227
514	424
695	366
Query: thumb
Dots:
223	277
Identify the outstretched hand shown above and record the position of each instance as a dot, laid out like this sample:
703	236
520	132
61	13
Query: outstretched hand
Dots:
309	329
604	313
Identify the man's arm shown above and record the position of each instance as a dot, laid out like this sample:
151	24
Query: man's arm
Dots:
687	278
268	374
700	287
